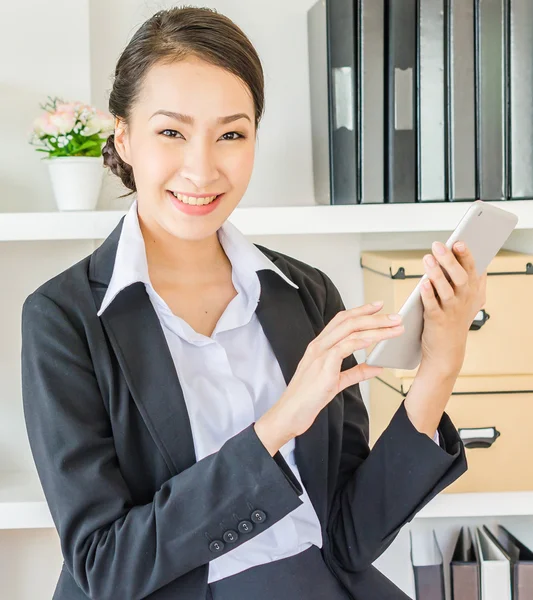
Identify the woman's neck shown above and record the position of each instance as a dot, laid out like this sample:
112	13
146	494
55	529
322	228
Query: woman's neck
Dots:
185	262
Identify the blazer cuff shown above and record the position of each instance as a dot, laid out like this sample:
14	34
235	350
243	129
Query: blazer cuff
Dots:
287	471
415	458
442	463
281	463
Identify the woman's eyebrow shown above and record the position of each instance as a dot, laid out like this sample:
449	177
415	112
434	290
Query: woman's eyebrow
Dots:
190	120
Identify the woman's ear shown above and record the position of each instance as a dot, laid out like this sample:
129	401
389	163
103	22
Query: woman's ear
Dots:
121	140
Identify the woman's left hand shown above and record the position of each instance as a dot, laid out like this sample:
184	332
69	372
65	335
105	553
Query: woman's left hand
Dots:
450	306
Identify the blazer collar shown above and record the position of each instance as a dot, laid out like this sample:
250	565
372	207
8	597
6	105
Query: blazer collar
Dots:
132	325
130	264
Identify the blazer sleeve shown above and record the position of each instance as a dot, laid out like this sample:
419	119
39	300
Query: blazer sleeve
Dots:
112	547
380	490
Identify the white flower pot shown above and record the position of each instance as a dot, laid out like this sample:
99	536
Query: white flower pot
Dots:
76	181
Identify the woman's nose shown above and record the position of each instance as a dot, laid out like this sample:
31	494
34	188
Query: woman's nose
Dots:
199	164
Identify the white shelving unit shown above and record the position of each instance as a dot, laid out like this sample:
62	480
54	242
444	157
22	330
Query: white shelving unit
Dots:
23	505
287	220
329	237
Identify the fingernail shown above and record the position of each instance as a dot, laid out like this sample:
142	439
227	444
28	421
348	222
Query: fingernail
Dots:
439	248
377	303
460	246
430	261
395	317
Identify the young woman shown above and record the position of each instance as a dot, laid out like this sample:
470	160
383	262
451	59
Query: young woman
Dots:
192	399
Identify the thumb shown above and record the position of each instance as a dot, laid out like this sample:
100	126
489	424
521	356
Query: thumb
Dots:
356	374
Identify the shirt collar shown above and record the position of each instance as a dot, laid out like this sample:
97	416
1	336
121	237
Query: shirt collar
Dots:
131	265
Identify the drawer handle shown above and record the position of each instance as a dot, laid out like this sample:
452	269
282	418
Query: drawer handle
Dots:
480	437
481	318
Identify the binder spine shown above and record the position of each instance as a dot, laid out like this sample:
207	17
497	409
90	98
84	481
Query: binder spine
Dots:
428	568
372	64
429	582
521	98
401	140
344	101
461	95
319	100
432	97
492	98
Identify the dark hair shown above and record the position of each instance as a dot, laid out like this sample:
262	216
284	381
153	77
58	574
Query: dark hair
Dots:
173	35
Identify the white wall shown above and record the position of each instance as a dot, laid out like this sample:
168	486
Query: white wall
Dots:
69	48
45	51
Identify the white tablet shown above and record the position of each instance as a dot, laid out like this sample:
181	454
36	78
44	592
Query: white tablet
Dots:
484	228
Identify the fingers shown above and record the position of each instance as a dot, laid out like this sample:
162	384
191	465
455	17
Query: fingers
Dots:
356	374
447	259
342	315
429	299
358	341
435	274
464	256
365	324
355	342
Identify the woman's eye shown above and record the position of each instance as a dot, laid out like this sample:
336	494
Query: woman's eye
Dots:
172	131
239	135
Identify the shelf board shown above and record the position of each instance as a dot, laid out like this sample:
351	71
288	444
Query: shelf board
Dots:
284	220
23	506
498	504
22	502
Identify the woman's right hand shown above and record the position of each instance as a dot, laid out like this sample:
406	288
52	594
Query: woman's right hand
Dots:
318	377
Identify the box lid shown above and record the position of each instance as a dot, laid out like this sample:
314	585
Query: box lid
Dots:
470	384
404	264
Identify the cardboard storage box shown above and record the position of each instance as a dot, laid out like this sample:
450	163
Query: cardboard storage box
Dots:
500	339
494	416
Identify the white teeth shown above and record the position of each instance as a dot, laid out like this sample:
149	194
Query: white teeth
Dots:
195	201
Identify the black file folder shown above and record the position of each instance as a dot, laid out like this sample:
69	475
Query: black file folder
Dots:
333	60
426	558
521	99
521	558
464	569
401	77
461	100
492	111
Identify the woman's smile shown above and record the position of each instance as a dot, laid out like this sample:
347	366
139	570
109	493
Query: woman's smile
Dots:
191	206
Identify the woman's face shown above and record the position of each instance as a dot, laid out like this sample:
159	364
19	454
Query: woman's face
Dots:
192	154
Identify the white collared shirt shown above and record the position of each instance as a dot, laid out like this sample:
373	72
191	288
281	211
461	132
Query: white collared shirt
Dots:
229	379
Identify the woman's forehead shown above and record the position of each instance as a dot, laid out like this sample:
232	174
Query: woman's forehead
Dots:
195	88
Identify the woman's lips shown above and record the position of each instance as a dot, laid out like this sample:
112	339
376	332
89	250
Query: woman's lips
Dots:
193	209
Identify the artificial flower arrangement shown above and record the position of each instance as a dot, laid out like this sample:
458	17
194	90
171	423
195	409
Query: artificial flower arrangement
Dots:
72	134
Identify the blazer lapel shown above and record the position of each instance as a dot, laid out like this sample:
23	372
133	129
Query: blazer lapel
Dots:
144	357
288	329
139	344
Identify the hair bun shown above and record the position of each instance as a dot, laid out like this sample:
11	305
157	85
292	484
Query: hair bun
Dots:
113	160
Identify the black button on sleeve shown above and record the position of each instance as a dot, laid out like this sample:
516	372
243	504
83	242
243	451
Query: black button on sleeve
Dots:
245	526
230	536
258	516
216	546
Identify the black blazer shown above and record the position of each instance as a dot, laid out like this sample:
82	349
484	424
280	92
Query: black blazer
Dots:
109	431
